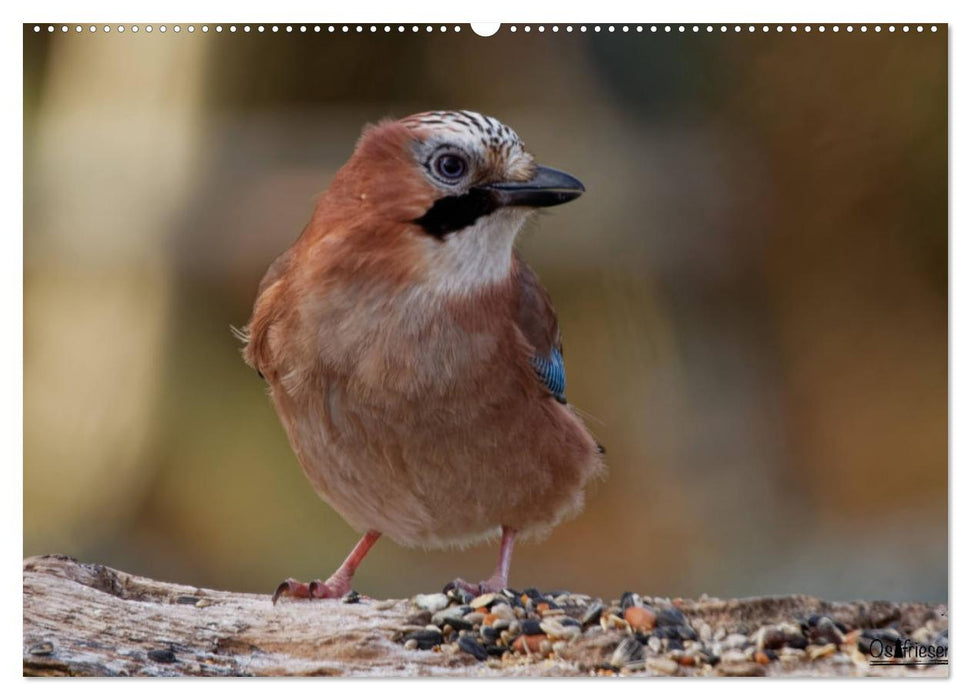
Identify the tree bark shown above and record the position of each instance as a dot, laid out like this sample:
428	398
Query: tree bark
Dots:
91	620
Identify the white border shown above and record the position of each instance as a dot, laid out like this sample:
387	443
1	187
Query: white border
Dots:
89	28
508	11
438	11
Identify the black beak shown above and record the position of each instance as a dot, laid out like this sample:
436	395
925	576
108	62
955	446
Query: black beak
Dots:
547	188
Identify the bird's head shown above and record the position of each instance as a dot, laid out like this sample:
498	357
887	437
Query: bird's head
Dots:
448	191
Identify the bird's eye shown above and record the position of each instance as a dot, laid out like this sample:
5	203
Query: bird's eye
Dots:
450	166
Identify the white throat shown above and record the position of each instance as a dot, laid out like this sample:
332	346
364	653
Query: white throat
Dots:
475	257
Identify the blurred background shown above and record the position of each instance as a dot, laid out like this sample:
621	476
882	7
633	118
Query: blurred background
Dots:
753	296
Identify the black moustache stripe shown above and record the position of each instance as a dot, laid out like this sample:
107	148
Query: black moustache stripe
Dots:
450	214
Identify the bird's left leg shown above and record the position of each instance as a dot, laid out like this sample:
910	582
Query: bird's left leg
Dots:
339	582
500	576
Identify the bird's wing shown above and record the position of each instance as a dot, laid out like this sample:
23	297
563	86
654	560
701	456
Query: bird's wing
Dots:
276	270
537	322
267	311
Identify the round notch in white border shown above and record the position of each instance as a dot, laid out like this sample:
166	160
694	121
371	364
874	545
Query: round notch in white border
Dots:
485	28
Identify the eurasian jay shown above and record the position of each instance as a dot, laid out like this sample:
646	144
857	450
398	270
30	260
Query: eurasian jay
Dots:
412	355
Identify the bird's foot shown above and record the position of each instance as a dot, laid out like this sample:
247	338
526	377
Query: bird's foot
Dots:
331	588
493	584
291	588
463	585
339	583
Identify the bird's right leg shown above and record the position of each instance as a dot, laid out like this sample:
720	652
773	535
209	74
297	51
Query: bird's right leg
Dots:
500	577
339	582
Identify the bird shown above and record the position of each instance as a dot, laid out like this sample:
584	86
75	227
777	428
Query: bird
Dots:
412	355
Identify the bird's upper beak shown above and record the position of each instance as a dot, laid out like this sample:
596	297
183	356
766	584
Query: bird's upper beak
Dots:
547	188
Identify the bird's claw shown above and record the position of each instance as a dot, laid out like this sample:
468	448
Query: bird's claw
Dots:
490	585
463	585
494	584
328	589
291	588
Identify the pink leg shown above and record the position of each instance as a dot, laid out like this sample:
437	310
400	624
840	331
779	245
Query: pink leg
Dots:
339	582
500	577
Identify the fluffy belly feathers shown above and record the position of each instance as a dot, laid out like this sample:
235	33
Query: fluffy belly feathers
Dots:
440	469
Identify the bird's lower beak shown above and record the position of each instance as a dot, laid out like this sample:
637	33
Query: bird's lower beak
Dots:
547	188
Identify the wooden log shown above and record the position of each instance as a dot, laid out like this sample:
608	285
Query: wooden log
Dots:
91	620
